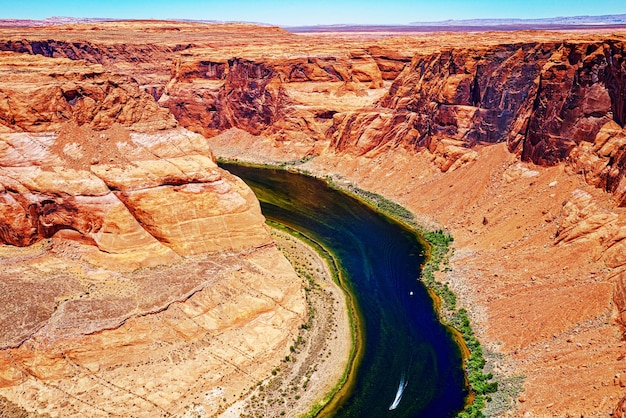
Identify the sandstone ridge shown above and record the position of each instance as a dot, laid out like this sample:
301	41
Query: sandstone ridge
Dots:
548	102
136	274
112	187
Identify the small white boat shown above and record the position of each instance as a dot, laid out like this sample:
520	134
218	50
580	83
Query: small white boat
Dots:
396	401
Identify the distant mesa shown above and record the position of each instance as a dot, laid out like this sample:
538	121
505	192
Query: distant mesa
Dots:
451	25
561	20
66	20
49	21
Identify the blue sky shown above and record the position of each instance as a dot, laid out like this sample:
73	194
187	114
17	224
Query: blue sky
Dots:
283	12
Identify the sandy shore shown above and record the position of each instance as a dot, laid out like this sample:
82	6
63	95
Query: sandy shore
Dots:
320	351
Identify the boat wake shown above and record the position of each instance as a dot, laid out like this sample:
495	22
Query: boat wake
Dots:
396	401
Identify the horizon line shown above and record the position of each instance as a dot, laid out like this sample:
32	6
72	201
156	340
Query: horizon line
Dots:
487	21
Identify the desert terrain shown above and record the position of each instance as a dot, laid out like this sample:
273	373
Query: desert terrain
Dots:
514	142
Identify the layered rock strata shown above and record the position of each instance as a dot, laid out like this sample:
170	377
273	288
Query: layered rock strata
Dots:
550	102
280	93
137	277
215	77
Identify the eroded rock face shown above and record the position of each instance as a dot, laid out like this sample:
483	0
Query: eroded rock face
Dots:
550	102
541	261
462	95
147	342
128	206
544	100
580	90
103	185
188	68
261	92
136	276
38	97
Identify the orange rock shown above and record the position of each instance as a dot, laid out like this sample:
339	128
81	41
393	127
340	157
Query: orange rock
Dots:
39	95
539	255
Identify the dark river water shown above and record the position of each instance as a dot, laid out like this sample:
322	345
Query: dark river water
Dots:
411	365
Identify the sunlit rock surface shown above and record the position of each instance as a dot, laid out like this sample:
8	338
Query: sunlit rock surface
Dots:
137	278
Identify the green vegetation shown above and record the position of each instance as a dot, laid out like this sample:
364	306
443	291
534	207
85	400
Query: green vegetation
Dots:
480	382
382	204
302	160
278	165
439	241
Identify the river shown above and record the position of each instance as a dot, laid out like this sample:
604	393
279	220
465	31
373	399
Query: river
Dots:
410	364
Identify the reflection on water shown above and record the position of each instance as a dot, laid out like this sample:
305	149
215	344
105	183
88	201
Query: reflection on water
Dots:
411	367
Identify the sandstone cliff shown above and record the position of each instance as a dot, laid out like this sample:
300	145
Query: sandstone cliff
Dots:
94	168
216	77
496	143
548	102
36	96
275	93
136	276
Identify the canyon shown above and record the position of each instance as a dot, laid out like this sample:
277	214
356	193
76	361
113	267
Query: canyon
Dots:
139	278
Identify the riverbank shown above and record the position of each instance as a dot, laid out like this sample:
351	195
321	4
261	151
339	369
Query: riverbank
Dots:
438	244
493	390
540	297
321	350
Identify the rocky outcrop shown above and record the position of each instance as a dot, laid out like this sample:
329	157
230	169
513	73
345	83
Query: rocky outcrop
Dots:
186	68
390	60
602	161
109	208
97	182
136	276
141	50
262	94
544	100
146	62
240	93
134	205
36	96
287	64
80	341
550	102
575	99
89	51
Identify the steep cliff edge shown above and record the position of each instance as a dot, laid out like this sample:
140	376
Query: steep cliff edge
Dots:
72	181
493	142
137	277
37	96
550	102
279	92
